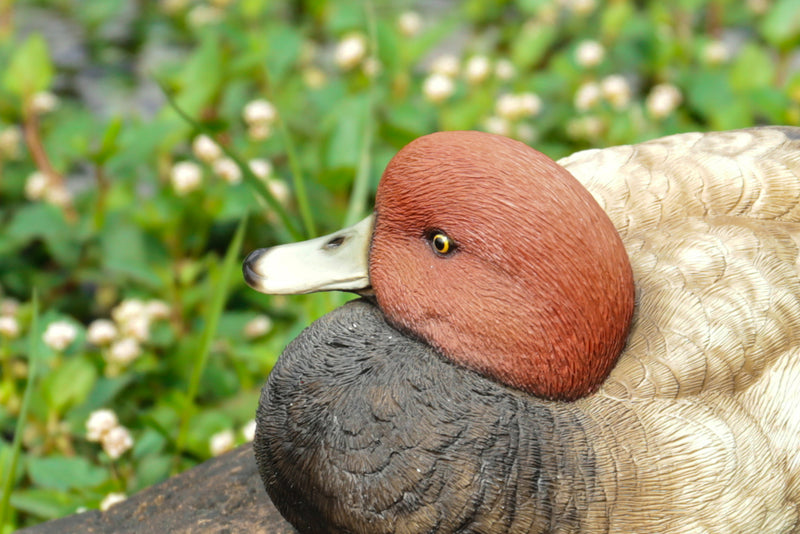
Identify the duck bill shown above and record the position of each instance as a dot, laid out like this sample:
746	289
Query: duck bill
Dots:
338	261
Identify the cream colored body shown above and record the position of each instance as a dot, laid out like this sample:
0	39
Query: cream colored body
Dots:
700	420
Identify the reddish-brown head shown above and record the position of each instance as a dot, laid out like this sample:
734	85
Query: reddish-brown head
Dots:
534	290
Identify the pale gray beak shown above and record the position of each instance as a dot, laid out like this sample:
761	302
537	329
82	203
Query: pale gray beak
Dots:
338	261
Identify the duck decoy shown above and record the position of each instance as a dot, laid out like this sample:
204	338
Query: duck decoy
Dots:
609	343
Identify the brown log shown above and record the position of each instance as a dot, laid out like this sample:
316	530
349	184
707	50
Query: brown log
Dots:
222	495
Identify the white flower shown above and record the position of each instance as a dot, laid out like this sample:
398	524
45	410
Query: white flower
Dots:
512	107
249	430
616	90
497	125
206	149
157	309
36	186
124	351
170	7
529	104
9	327
547	14
100	422
581	7
221	442
504	69
10	139
117	441
587	96
262	168
110	500
203	15
446	65
314	77
259	132
588	127
589	53
371	66
438	87
410	23
663	99
507	106
137	327
279	190
759	7
59	335
186	177
101	332
477	69
128	309
228	170
259	111
9	306
715	53
527	133
43	102
257	326
58	195
350	51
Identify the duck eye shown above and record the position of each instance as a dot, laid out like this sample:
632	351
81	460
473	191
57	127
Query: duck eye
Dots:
441	243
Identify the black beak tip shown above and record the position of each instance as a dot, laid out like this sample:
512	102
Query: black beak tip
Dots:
250	276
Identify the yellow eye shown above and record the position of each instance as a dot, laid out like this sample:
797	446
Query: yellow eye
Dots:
441	243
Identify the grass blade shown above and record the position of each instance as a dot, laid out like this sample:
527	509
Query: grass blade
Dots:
16	447
218	297
358	196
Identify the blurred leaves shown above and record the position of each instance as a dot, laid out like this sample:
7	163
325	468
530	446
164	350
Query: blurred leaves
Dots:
95	217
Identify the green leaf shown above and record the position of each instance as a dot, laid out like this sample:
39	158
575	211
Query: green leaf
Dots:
151	470
69	384
125	252
34	221
616	17
709	92
108	145
344	142
781	25
63	473
30	69
47	504
753	68
532	43
284	46
201	78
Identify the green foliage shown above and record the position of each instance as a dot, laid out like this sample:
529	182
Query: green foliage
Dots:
29	69
111	209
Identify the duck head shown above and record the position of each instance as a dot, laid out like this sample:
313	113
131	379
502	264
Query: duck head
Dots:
489	252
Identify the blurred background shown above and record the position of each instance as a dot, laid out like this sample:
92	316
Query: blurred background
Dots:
147	146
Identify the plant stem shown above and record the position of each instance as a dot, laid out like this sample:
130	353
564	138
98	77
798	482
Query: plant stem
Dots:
30	131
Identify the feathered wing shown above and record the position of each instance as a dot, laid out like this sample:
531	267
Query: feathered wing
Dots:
711	370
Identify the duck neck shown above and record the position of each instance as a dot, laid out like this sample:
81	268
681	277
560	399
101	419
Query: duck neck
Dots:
362	429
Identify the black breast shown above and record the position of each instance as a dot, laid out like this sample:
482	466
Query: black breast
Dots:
362	429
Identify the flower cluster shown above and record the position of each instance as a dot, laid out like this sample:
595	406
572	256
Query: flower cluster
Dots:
103	427
122	338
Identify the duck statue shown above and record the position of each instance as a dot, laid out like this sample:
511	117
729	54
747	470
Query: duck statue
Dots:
607	343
